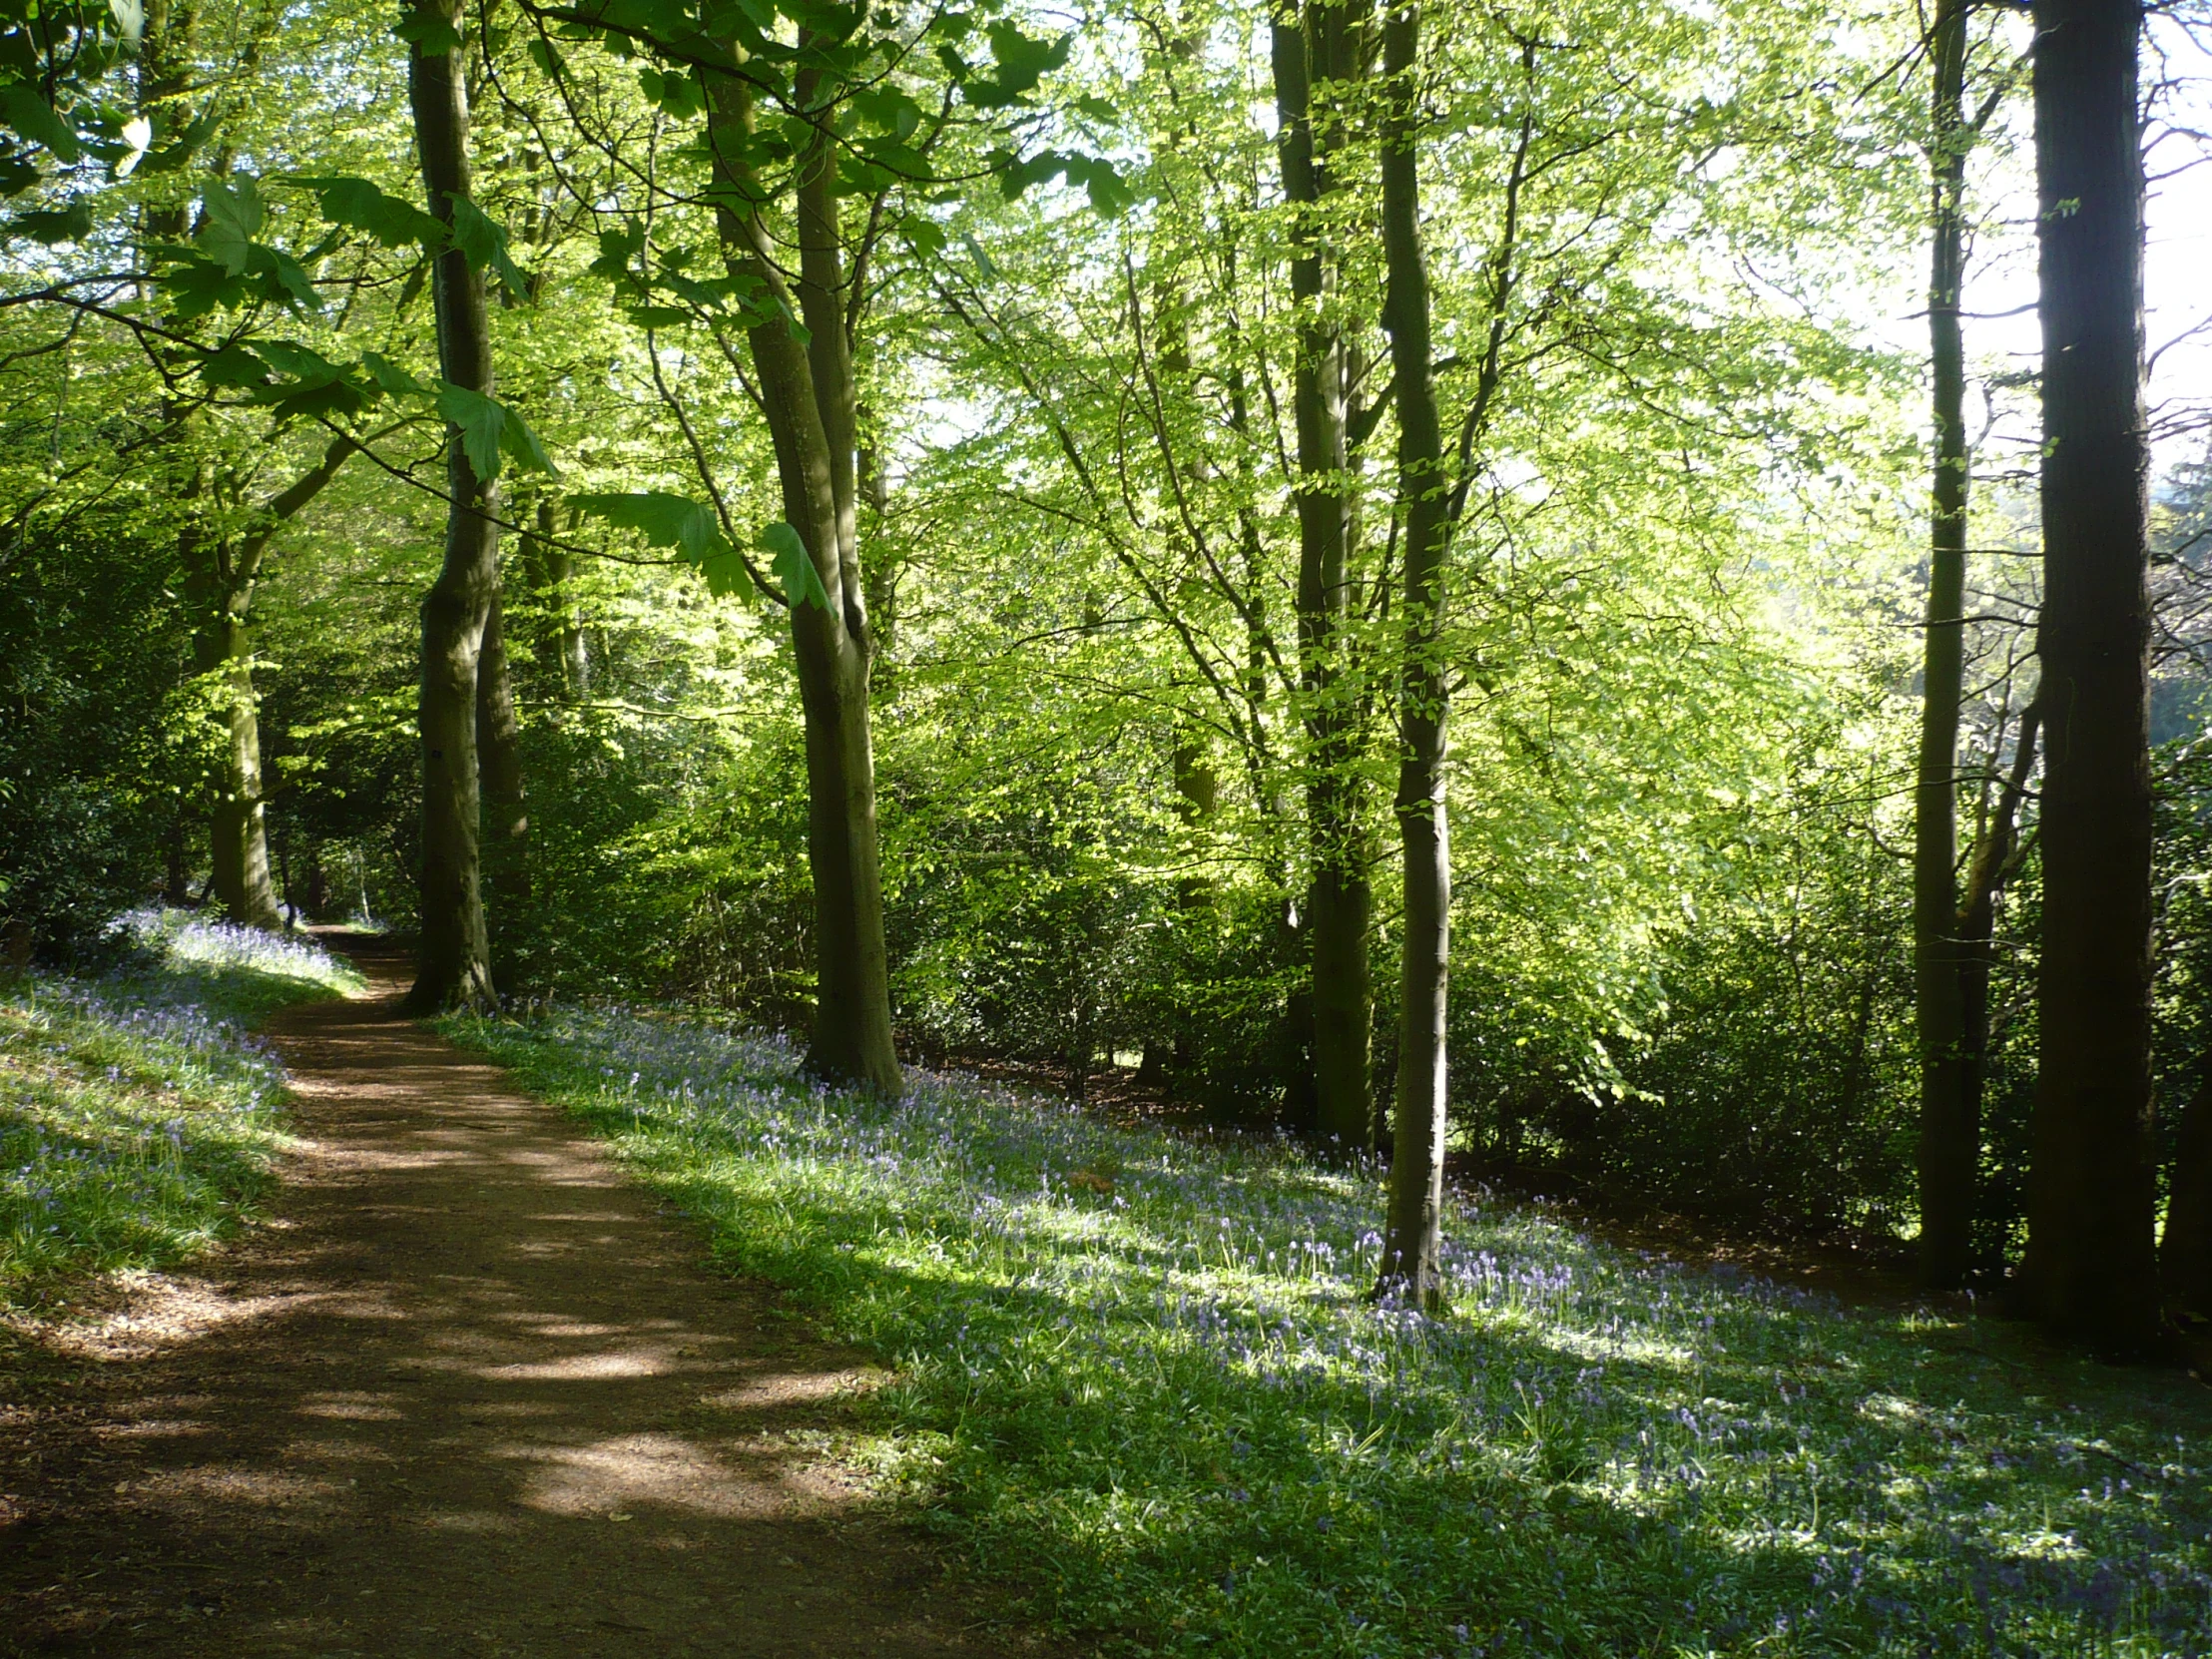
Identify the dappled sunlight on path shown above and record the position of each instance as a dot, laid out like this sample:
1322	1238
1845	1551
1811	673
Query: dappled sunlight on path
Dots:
468	1395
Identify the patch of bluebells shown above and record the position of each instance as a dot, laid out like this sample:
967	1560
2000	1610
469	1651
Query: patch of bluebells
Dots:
1140	1373
138	1115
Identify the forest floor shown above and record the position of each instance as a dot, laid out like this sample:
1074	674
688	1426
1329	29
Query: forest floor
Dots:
467	1393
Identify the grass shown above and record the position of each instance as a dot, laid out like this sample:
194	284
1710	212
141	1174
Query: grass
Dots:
138	1120
1137	1378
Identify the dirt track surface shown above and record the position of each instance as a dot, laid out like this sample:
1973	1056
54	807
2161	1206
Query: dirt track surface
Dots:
467	1395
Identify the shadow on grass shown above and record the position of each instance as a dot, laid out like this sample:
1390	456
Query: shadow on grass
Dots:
1125	1403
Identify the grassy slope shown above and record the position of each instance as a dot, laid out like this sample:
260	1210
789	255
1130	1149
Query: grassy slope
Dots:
1136	1376
136	1119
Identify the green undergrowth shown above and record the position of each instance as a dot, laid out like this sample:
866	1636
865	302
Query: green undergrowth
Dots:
1136	1376
137	1118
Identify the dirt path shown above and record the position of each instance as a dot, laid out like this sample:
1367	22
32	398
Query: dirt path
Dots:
468	1395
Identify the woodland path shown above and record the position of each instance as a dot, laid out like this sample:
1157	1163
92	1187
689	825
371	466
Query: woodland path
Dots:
467	1395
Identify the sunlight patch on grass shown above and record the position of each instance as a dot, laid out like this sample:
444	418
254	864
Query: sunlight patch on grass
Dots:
138	1120
1138	1375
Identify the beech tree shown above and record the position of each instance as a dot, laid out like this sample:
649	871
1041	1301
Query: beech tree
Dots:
453	966
2090	1269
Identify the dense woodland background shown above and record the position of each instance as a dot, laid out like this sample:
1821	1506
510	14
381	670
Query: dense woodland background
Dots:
1678	256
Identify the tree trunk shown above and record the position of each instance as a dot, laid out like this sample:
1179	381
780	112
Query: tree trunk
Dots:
2185	1252
548	570
809	396
506	818
1411	1270
223	576
1310	43
499	763
453	968
238	839
2091	1271
1987	876
1951	1138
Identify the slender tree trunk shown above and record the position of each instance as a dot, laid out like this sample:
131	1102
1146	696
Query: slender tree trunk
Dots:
1951	1138
809	395
549	571
454	964
1987	876
1411	1244
2185	1252
2091	1271
1310	43
506	817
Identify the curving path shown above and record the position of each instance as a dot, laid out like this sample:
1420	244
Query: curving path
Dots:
467	1395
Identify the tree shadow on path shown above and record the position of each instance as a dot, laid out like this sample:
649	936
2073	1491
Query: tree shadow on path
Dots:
466	1395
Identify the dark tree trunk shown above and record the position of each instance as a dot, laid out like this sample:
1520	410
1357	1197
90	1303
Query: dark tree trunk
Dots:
1312	43
1411	1243
809	396
453	967
1951	1137
2091	1271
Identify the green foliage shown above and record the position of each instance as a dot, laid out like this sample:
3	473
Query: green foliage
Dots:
92	753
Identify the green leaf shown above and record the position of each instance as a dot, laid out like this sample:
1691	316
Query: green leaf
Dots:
983	267
234	366
793	568
484	243
542	52
361	205
395	381
283	282
428	33
232	209
523	448
298	361
618	251
480	422
197	285
1022	60
889	110
664	520
675	521
70	224
33	117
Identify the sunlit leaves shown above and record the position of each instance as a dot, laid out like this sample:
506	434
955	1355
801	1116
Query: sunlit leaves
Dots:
675	521
794	567
390	221
1110	194
484	245
489	429
233	216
